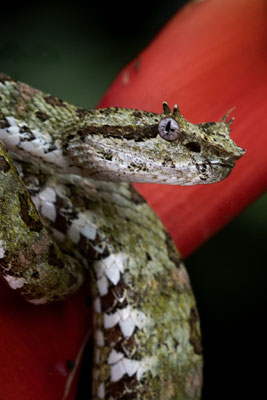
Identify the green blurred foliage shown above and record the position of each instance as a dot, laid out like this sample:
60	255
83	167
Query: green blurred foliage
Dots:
75	49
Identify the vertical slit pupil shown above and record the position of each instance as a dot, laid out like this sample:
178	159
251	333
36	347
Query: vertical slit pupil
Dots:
168	126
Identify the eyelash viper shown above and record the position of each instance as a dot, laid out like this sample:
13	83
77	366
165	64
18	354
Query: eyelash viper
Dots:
67	210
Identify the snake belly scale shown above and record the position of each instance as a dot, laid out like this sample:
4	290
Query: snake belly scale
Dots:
67	211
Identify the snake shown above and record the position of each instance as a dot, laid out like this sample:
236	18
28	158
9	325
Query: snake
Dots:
69	213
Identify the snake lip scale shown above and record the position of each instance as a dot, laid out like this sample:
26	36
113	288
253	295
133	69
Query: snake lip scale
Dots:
68	211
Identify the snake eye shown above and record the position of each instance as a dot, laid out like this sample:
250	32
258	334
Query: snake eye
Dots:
168	129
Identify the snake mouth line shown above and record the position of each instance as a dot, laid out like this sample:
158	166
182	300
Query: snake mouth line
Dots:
224	165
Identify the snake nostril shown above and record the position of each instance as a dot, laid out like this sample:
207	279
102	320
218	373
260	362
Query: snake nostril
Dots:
193	146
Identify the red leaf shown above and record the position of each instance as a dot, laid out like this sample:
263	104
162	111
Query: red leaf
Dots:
38	345
211	56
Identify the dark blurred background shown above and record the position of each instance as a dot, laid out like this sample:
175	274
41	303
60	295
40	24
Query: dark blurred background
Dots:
74	51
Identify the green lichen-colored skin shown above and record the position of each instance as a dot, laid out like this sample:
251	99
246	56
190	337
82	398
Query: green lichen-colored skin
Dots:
202	153
157	276
37	109
121	144
166	298
32	261
96	143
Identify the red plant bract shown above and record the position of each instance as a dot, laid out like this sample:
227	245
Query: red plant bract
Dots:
210	57
38	345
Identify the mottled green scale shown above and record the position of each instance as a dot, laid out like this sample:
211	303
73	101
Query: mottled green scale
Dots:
32	261
147	334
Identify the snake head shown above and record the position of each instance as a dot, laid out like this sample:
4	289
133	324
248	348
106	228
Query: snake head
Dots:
139	146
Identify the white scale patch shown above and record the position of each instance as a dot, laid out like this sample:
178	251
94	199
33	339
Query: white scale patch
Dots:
111	266
102	285
16	137
36	302
44	203
114	357
97	305
101	391
2	248
100	338
82	226
14	283
47	199
127	318
110	269
121	366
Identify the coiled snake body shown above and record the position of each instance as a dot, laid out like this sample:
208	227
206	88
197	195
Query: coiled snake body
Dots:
69	209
